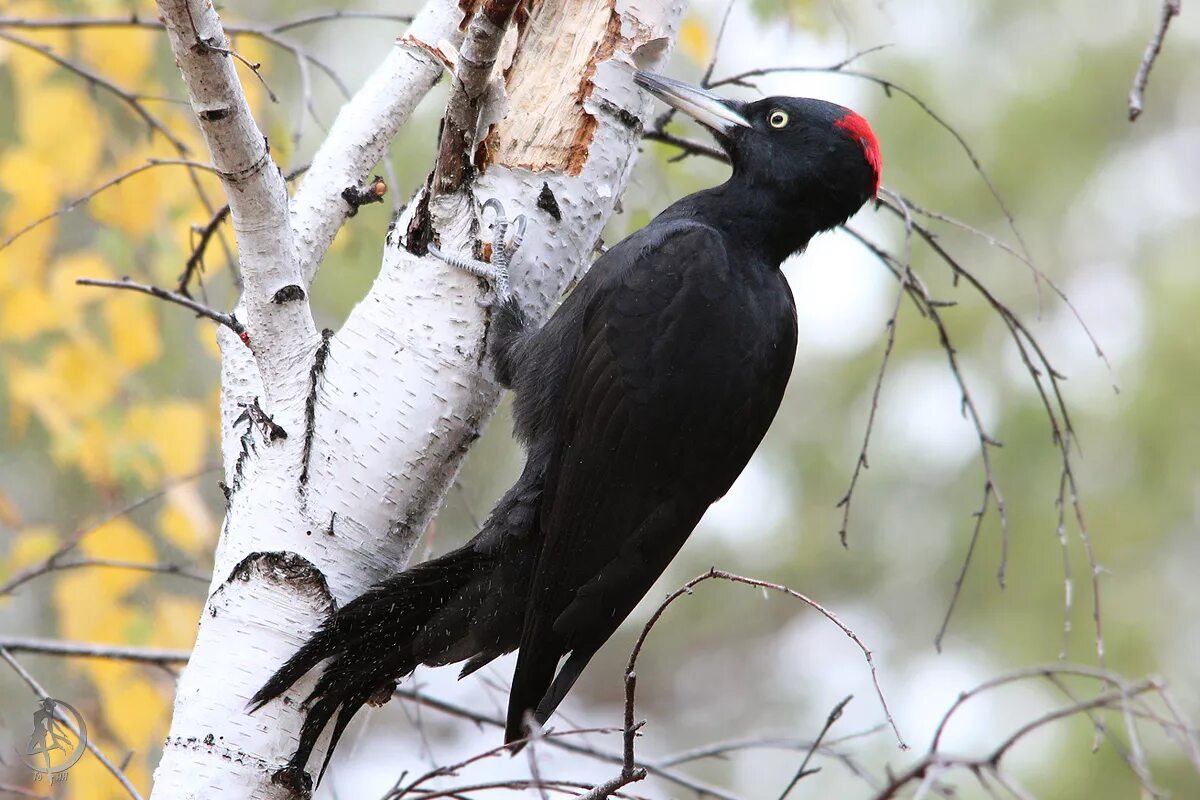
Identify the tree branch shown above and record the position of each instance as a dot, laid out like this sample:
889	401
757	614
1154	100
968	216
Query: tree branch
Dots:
281	332
32	683
1170	10
365	127
57	647
228	320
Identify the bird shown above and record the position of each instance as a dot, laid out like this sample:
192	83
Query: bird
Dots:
638	403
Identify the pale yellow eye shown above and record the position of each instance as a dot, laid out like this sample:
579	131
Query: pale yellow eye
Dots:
778	118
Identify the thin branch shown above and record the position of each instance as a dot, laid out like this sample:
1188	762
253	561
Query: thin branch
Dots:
731	577
686	146
129	98
934	761
32	683
111	182
991	489
1170	10
340	14
211	45
803	770
56	647
136	566
195	262
1038	273
721	749
228	320
52	561
861	462
609	756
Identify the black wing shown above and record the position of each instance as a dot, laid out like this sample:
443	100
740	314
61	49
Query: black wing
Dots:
680	367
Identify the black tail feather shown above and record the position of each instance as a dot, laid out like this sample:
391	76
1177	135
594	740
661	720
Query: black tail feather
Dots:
312	653
467	604
537	661
372	642
563	681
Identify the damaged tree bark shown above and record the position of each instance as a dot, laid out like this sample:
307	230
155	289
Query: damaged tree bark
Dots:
380	413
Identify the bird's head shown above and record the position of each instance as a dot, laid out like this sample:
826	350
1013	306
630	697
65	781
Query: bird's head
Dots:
807	154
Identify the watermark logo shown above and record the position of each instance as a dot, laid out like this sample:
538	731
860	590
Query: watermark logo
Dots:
55	745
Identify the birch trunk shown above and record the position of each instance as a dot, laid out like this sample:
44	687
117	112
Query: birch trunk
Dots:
380	414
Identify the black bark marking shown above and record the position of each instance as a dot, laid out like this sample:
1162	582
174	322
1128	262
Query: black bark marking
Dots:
420	227
549	203
253	415
310	403
288	294
294	570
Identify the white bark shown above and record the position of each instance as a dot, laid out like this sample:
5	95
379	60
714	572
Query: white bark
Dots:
366	125
404	390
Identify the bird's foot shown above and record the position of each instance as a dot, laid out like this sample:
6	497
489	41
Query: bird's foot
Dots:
503	248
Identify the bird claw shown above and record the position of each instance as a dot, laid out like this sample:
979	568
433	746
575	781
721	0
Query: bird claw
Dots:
503	249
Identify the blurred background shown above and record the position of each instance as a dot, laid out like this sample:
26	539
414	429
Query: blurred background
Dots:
109	399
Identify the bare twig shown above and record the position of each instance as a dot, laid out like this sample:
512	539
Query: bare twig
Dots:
228	320
1170	10
129	98
52	562
111	182
339	14
803	770
136	566
32	683
609	756
57	647
935	762
861	462
729	576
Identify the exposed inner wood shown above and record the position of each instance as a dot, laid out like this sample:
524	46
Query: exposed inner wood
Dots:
547	128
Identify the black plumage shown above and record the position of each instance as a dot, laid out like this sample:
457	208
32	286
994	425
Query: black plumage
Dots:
638	403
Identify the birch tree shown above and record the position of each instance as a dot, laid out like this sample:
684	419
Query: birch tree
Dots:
338	446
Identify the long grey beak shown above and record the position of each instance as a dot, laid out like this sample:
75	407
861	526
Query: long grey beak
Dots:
715	113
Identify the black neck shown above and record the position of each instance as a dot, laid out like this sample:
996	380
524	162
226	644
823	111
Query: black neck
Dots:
750	219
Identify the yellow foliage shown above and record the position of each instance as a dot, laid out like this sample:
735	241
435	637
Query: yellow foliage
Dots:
123	54
77	378
694	39
138	708
135	205
26	311
174	430
59	123
31	546
122	540
9	515
69	297
185	520
91	448
132	329
89	606
33	184
175	620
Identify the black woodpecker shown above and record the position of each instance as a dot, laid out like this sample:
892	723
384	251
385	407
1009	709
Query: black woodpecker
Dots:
638	403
